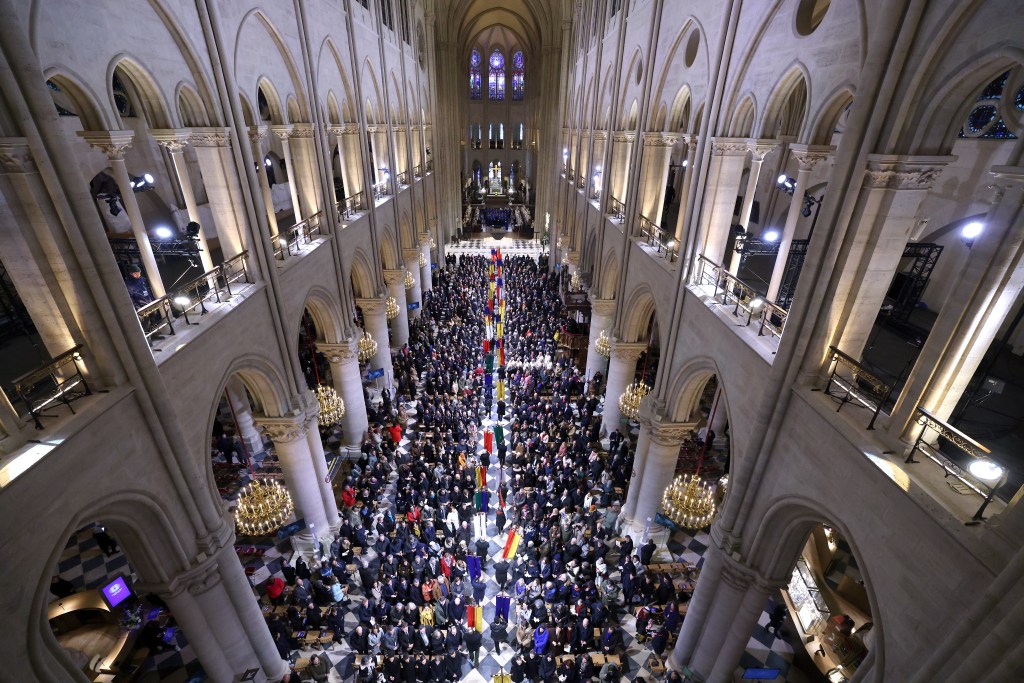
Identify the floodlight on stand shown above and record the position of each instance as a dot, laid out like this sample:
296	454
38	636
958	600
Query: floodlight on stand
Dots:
391	308
192	230
163	232
686	162
332	407
603	345
770	236
264	505
409	280
971	231
182	300
756	304
985	469
367	347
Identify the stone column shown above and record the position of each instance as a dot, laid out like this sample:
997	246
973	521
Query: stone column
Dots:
351	160
417	152
656	158
600	138
758	150
684	192
728	156
379	140
602	312
894	187
377	325
113	143
175	141
808	157
257	134
989	284
414	293
401	145
316	448
304	163
238	398
583	168
292	447
659	466
220	177
699	607
643	443
622	148
344	360
395	280
720	417
283	132
621	369
426	277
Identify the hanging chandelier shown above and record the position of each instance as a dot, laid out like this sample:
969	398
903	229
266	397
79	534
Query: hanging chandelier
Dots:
332	407
367	347
264	505
574	282
423	260
391	308
603	345
629	402
689	502
433	243
409	281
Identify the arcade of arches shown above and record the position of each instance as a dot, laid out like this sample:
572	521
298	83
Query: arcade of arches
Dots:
574	340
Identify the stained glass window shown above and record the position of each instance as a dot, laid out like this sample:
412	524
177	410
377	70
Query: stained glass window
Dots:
984	120
496	76
474	75
518	78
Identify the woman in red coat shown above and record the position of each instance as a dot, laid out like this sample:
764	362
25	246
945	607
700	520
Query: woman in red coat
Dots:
348	497
275	587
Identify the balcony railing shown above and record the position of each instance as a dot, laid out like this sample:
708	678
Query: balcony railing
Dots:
730	290
403	179
430	165
417	171
666	245
350	205
291	240
159	316
617	209
972	449
381	189
57	381
861	387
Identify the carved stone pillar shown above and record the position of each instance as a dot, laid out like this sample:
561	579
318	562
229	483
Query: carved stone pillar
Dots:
684	192
621	370
241	409
377	325
622	149
304	161
351	160
316	449
292	447
602	312
660	466
257	134
344	360
808	157
643	443
113	144
600	138
426	276
401	153
414	294
283	133
175	141
759	149
395	280
656	159
220	177
728	156
379	144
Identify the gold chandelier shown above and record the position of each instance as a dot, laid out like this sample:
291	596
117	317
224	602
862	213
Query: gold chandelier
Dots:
574	281
423	260
433	243
603	345
264	505
367	347
689	502
629	402
409	281
332	407
391	308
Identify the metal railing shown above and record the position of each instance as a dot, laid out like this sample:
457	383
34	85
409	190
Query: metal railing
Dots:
348	206
381	189
158	316
417	171
861	387
403	178
616	209
430	165
770	317
971	448
57	381
596	193
652	234
291	239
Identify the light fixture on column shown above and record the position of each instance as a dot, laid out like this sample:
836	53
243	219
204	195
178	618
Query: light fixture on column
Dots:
263	506
629	402
786	184
770	235
391	308
970	232
433	243
332	407
423	260
367	347
689	502
409	281
603	345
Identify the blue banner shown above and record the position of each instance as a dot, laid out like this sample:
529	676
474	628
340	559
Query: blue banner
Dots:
293	528
413	306
375	373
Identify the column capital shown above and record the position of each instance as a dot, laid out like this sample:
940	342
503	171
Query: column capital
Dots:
623	136
411	256
603	307
15	156
172	139
729	147
113	143
345	128
760	148
302	130
282	131
659	139
394	276
371	305
211	136
600	135
258	134
670	433
628	351
904	172
197	579
1008	175
337	354
374	128
283	429
808	156
573	257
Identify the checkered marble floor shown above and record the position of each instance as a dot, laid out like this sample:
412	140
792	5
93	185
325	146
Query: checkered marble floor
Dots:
508	246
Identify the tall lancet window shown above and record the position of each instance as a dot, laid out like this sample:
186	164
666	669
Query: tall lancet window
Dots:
496	77
518	77
475	89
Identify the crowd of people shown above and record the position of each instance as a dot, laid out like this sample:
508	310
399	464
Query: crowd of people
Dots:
525	460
